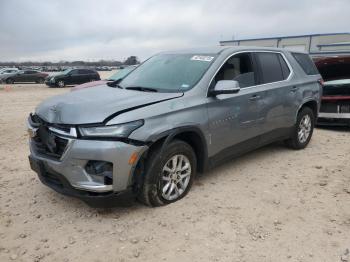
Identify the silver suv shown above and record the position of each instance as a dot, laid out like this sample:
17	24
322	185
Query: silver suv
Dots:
177	114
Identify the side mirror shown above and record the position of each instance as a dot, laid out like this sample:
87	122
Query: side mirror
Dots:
225	87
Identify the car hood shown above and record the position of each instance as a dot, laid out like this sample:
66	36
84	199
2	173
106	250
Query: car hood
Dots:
96	105
88	84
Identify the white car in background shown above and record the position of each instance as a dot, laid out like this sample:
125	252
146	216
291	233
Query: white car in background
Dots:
8	70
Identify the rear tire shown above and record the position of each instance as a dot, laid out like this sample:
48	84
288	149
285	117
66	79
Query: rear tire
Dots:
168	177
303	129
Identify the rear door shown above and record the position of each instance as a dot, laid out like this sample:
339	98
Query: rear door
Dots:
86	75
277	94
32	76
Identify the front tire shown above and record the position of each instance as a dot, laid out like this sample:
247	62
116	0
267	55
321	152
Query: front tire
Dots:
9	81
169	174
60	83
303	129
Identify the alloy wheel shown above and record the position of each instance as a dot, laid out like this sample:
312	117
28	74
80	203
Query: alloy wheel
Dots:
304	129
61	83
176	175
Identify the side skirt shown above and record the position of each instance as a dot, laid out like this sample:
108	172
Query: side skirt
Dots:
247	146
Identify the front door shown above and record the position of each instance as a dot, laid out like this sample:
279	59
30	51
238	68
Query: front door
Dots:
74	77
232	118
21	76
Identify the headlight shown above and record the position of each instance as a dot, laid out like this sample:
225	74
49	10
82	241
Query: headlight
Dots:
115	131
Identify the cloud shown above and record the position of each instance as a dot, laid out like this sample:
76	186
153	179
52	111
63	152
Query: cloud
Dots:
113	29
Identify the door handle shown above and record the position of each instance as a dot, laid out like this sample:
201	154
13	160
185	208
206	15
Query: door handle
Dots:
254	97
294	89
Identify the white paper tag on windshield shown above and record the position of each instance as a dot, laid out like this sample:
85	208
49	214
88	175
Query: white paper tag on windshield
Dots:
202	58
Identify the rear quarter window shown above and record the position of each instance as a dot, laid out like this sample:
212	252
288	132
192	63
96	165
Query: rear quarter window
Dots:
306	63
273	67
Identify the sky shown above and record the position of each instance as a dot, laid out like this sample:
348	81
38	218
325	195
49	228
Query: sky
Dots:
49	30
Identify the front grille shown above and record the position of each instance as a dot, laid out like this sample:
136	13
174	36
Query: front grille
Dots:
345	108
47	143
327	107
36	120
335	107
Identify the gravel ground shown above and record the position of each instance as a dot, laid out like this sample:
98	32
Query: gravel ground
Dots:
273	204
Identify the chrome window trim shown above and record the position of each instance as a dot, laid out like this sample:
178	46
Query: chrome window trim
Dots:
291	71
72	131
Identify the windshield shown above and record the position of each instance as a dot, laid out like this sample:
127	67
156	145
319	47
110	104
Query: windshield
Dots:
121	73
169	72
67	71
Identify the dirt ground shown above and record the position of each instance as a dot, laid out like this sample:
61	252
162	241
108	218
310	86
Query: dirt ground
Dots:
273	204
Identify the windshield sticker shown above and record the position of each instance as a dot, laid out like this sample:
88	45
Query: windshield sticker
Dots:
202	58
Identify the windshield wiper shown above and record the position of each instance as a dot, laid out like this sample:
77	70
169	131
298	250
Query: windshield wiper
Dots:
140	88
115	84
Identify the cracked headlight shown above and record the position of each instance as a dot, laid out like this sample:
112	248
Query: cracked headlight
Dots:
114	131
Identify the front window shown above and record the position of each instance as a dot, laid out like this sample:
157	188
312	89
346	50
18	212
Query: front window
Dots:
239	68
169	72
67	71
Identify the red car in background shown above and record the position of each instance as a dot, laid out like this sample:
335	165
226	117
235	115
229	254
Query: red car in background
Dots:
120	74
335	102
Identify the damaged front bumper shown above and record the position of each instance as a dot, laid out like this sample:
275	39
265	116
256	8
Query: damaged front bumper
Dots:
60	184
68	169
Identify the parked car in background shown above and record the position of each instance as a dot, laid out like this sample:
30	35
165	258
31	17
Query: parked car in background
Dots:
103	68
177	113
8	70
120	74
72	77
23	76
335	101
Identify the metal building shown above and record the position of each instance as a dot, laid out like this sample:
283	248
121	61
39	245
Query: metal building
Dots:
315	44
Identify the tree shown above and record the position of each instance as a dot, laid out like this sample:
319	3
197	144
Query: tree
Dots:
131	60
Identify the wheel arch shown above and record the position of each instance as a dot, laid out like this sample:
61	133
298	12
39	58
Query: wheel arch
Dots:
189	134
9	78
312	104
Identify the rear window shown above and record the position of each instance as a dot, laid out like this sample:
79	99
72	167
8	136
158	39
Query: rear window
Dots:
273	67
306	63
